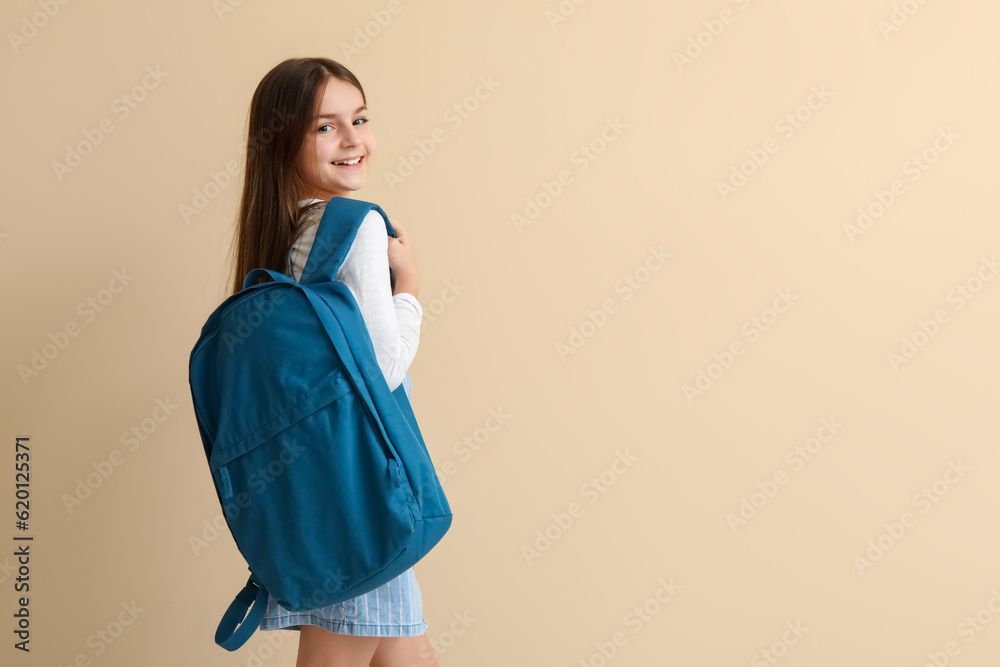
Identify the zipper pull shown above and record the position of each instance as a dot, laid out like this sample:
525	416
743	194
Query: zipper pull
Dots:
394	472
227	486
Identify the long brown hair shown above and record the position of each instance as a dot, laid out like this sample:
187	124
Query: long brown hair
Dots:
281	113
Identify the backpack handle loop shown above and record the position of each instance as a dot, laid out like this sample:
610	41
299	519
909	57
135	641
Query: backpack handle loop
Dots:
252	277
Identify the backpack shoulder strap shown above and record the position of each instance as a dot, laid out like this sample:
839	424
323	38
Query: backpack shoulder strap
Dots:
251	603
338	227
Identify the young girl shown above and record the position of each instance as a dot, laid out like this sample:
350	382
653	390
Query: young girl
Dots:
310	140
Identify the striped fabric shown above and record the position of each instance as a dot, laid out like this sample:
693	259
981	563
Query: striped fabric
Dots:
394	609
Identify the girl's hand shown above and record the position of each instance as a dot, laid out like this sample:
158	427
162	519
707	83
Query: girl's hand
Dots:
403	261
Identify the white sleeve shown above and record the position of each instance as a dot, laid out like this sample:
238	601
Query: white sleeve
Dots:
393	320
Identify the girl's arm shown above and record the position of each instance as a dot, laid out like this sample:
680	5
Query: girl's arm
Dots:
402	261
393	320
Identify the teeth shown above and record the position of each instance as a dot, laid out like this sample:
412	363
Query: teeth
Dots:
354	161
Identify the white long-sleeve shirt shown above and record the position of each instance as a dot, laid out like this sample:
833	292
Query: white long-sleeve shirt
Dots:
393	320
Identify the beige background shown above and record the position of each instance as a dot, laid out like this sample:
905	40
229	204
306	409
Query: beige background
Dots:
494	345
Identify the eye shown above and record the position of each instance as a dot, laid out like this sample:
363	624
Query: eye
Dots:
322	126
362	119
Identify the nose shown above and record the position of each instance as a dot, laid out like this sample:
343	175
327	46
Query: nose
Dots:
350	136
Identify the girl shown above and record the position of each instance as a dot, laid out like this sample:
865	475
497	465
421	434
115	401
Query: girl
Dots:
309	140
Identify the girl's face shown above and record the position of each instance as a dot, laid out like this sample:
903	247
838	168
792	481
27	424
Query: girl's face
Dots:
338	137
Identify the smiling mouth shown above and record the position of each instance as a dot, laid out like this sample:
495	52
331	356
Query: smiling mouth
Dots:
353	162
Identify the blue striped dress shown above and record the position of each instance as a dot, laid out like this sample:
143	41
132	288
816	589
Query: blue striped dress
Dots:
394	609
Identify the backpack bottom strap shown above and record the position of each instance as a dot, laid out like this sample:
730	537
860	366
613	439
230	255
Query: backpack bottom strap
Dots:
228	636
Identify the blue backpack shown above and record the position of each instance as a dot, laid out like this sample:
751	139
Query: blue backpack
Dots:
321	470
